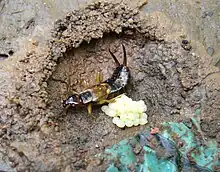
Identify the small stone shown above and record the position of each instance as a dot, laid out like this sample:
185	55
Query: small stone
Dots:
207	13
35	43
160	47
56	128
137	149
29	53
12	164
186	45
140	76
130	21
210	13
210	51
185	41
165	52
160	53
204	15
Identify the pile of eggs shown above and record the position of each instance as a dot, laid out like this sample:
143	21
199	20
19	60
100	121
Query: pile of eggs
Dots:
126	112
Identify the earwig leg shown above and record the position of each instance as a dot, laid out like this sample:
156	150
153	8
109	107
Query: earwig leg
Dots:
115	59
109	101
89	108
106	101
74	92
125	57
99	77
85	84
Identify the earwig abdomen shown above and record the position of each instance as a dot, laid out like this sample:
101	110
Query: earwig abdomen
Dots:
95	93
119	79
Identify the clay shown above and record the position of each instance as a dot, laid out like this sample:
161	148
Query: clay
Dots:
38	134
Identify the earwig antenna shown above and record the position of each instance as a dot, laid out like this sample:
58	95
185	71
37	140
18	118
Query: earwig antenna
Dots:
115	59
125	57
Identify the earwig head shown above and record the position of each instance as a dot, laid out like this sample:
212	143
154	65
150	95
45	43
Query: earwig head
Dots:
116	60
73	100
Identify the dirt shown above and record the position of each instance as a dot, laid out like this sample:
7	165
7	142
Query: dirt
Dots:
169	72
200	18
22	19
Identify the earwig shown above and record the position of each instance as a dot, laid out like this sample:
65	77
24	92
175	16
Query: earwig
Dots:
101	92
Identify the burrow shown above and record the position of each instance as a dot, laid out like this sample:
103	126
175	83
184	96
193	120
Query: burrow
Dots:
164	74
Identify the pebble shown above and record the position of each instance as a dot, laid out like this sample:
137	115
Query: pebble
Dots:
186	45
56	128
210	51
130	21
207	13
160	53
185	41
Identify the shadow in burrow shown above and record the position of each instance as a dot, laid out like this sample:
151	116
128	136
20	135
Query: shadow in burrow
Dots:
155	78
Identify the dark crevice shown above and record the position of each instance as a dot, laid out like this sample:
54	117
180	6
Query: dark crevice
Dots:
3	56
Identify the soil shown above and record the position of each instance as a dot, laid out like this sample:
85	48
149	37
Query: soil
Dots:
172	74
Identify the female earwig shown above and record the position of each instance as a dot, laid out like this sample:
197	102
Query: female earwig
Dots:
101	92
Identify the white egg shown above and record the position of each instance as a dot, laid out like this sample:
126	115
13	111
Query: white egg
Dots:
132	116
136	122
104	108
143	121
111	112
144	115
129	123
123	116
142	106
118	122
